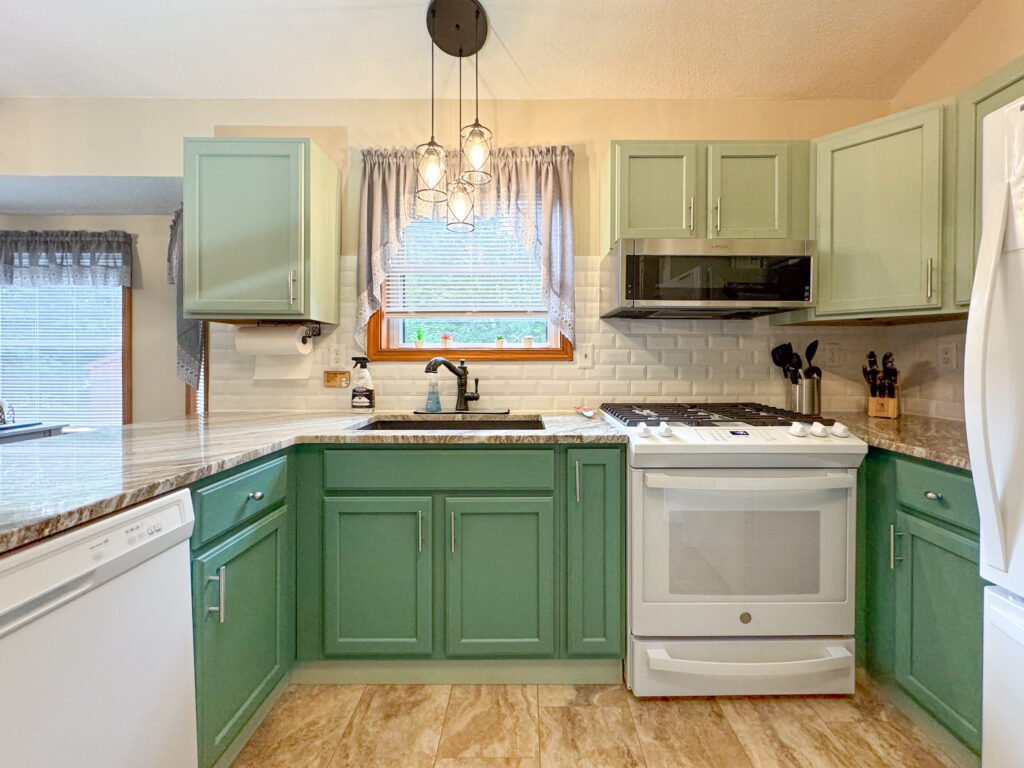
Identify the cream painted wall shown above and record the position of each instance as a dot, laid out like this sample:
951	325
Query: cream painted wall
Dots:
156	391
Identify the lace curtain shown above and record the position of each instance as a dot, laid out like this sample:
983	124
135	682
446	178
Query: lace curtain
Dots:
535	183
66	258
191	333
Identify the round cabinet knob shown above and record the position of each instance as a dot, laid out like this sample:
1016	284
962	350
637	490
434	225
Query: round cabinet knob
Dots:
840	430
643	431
819	430
665	430
798	429
256	495
933	495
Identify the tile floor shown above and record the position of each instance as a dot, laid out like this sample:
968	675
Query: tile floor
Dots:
527	726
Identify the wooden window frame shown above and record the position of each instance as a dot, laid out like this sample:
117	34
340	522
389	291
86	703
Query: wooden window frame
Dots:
378	349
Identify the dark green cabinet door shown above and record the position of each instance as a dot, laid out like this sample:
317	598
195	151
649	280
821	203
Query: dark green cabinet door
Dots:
938	624
596	537
377	576
748	190
500	577
654	187
244	628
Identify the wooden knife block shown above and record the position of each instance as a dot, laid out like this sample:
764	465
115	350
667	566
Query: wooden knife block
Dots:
885	407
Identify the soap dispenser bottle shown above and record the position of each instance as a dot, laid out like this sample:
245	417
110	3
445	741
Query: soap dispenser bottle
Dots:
362	386
433	404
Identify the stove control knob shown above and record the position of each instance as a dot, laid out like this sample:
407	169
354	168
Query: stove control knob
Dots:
664	430
840	430
798	429
643	431
819	430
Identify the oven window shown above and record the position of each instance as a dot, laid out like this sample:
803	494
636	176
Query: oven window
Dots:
744	552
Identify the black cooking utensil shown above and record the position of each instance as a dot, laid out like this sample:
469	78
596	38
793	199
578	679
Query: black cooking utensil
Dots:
812	372
782	356
811	351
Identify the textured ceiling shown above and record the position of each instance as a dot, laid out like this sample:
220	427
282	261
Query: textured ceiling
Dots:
548	49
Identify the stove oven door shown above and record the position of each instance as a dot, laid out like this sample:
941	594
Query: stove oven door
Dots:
742	552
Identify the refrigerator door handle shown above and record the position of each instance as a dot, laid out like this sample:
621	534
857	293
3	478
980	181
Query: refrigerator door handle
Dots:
993	539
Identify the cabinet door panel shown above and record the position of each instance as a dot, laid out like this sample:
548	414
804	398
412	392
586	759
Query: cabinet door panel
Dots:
244	227
748	190
655	191
242	654
377	576
500	577
880	215
938	624
596	527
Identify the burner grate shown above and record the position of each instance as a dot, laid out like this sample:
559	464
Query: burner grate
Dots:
705	414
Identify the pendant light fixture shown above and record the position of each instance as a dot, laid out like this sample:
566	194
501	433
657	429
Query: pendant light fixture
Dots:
461	197
431	157
476	138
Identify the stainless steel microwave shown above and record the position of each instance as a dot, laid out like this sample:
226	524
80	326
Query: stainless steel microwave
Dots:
679	278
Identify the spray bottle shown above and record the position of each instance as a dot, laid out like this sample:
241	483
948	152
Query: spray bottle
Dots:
362	386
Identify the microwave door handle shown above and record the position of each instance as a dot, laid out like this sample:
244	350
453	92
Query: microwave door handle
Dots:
838	658
979	444
782	484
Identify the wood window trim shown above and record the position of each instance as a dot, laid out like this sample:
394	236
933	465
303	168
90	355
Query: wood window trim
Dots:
126	355
378	351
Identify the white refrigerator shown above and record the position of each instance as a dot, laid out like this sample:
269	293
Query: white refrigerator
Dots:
994	405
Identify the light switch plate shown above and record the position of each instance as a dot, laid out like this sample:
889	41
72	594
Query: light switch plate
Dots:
336	360
949	359
585	356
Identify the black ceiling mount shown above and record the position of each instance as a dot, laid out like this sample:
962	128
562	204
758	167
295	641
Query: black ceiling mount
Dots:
455	27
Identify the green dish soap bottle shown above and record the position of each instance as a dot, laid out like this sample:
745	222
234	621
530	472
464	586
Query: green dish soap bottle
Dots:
362	386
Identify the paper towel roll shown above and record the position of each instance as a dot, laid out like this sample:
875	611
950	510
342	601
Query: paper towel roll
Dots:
278	350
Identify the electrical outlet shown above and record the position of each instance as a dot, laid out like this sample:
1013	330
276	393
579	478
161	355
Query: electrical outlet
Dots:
336	360
832	354
585	356
948	358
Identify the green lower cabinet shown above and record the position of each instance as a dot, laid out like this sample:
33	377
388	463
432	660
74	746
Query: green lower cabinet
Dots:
377	576
500	577
939	623
596	538
244	627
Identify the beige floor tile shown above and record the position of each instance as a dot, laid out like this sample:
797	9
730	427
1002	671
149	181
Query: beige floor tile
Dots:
490	721
883	745
686	733
487	762
583	695
594	737
784	733
303	728
394	726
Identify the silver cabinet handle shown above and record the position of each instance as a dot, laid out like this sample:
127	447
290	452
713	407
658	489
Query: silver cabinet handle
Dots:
928	278
256	495
453	530
419	530
577	481
892	547
718	214
222	584
291	286
933	495
691	213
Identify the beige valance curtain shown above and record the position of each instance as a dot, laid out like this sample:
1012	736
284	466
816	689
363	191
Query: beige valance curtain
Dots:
534	183
66	257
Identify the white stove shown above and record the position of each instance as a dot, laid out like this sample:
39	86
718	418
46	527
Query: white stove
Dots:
742	522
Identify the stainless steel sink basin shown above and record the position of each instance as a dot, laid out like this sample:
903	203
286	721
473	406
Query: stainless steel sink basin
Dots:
434	425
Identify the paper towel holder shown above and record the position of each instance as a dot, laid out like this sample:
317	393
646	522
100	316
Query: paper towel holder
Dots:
311	329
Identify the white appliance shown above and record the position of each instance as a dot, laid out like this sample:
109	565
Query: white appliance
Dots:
96	667
742	523
994	407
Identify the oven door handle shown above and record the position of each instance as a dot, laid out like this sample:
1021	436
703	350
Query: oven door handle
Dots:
838	658
817	483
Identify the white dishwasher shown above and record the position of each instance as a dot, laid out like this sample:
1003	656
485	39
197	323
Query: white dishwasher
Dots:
96	666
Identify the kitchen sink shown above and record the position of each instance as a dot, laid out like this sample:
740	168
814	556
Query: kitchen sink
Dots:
433	425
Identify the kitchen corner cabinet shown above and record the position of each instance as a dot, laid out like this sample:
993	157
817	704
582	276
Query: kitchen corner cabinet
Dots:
973	105
261	230
880	215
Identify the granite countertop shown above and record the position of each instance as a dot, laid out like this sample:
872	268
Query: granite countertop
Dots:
940	440
56	483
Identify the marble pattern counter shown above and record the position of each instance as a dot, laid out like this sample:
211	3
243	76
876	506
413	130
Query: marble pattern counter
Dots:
940	440
51	485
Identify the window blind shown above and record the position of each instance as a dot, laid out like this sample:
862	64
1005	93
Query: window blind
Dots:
60	353
487	271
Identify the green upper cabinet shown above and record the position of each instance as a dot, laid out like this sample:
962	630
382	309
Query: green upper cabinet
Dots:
244	621
748	190
879	211
596	540
500	577
261	230
377	576
973	106
654	189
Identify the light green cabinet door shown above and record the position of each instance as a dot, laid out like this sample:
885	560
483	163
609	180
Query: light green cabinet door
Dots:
596	552
500	577
244	628
377	576
654	188
973	106
879	210
244	228
748	190
938	624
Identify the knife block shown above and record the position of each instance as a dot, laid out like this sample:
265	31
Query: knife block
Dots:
885	407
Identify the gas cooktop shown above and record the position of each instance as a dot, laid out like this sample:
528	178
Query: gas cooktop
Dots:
705	415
